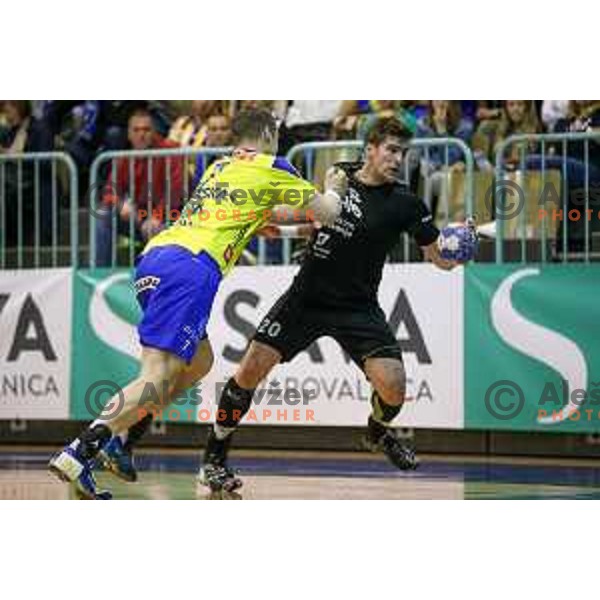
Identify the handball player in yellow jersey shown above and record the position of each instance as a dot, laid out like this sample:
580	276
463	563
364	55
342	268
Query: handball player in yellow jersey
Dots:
178	274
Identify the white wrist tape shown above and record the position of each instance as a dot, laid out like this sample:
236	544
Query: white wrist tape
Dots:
334	194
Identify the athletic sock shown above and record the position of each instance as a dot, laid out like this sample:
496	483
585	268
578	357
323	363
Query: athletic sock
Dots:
234	403
92	440
381	416
137	430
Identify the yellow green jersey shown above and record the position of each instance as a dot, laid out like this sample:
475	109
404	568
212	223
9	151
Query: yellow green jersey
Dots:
234	199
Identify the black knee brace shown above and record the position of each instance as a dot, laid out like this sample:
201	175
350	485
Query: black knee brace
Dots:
234	403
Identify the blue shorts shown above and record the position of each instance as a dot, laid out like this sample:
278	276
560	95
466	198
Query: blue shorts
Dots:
176	290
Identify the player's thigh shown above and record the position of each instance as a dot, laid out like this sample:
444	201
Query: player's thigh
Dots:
198	368
388	378
257	362
288	328
160	366
176	291
365	335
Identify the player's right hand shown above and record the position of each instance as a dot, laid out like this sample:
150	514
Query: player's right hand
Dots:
336	180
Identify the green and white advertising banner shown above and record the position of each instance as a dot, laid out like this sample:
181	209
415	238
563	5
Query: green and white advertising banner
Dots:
35	344
532	347
423	306
106	350
320	387
513	347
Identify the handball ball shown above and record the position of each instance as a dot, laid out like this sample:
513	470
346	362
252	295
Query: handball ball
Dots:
457	242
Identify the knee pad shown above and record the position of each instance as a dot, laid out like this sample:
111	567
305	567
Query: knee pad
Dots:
234	403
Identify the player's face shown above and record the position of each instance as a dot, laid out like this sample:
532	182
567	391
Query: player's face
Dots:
386	159
140	133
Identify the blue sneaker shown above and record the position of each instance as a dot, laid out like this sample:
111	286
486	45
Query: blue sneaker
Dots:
117	459
73	469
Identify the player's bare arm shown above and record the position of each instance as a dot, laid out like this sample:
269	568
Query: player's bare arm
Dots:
275	231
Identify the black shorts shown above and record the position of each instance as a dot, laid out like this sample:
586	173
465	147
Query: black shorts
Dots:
295	322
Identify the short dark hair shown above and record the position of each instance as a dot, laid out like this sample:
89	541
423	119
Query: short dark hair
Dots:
140	111
252	124
23	107
386	128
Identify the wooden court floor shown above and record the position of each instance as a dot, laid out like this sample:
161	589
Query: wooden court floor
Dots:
309	475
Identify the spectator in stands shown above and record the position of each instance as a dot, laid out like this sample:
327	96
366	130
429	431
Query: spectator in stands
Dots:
580	180
486	110
218	131
190	130
137	197
3	123
253	104
85	127
554	111
218	135
23	134
307	121
518	116
444	120
355	117
582	116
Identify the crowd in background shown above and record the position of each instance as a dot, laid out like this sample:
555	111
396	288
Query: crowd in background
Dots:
85	128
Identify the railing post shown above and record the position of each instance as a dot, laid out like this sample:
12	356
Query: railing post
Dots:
150	155
544	138
36	158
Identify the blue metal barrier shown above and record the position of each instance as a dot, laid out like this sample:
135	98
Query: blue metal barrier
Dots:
40	183
546	154
168	160
351	150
